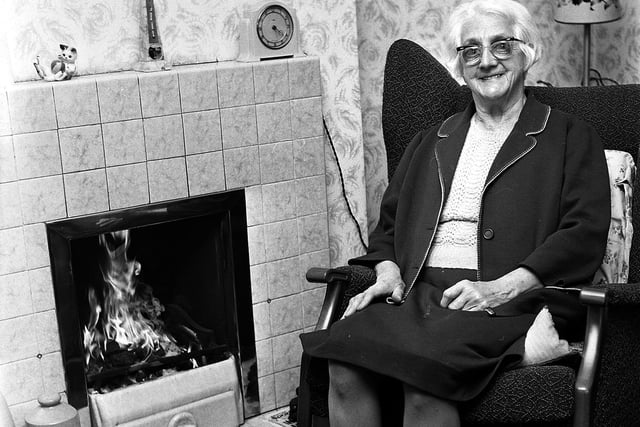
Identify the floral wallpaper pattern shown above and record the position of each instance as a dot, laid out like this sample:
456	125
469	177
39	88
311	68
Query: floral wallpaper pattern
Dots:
615	53
108	37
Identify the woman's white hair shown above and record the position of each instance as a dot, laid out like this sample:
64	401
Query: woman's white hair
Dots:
517	15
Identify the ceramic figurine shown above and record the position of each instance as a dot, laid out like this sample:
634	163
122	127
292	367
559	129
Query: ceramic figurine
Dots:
62	68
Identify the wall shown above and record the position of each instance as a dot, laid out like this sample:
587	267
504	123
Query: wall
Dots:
615	53
118	140
107	35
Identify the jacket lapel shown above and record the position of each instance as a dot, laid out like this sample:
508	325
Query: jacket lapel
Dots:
532	120
453	133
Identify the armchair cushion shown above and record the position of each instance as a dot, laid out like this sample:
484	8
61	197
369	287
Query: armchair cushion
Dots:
615	265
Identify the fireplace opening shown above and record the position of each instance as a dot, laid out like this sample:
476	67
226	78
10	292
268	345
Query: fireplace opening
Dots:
152	291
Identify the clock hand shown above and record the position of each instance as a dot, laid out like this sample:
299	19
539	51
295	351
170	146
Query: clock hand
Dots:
277	30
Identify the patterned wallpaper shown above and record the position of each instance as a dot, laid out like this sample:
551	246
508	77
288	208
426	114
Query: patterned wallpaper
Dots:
108	34
615	53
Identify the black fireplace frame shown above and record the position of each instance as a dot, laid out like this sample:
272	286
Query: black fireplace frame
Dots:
61	233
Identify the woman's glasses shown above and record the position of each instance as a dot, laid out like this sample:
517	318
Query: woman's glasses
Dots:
500	49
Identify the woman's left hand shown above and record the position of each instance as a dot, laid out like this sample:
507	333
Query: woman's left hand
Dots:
476	296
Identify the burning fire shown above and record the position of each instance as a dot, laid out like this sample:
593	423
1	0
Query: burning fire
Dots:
129	316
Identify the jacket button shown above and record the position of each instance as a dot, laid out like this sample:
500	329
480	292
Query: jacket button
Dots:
487	233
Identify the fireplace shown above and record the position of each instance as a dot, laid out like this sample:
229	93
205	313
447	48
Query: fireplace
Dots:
154	291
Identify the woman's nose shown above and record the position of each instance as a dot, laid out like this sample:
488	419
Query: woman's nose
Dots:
487	59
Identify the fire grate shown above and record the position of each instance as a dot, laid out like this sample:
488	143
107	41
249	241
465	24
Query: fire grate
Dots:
148	292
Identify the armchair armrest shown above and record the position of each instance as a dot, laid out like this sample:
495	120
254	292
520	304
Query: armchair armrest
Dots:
608	383
595	299
342	284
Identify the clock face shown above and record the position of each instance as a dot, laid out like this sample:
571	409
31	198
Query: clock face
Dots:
275	27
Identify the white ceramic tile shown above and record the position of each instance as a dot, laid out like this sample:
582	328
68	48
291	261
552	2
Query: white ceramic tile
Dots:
164	137
266	386
42	199
276	162
313	232
304	77
309	157
279	201
239	126
287	351
253	199
242	167
202	131
259	283
283	277
205	173
21	381
167	179
255	238
128	186
235	84
81	148
311	306
271	81
12	251
76	102
5	120
311	195
264	355
124	142
10	213
261	321
286	383
274	122
198	88
35	240
7	160
47	331
119	97
26	118
37	154
281	240
306	117
86	192
286	314
41	286
52	373
159	93
17	339
15	295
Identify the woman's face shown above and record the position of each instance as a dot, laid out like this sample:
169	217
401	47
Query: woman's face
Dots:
493	81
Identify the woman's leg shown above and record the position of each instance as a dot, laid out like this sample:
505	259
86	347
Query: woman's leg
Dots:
422	409
353	397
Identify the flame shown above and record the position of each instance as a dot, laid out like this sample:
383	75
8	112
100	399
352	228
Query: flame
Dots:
126	318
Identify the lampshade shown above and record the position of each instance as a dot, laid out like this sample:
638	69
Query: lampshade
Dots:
587	11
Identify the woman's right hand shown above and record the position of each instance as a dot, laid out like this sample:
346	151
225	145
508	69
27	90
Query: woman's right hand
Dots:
388	283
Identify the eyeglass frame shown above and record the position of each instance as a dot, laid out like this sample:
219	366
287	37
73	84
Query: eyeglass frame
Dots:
460	50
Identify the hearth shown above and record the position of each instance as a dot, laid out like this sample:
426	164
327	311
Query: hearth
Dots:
153	291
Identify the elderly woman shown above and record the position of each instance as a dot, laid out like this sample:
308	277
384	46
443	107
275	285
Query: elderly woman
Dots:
490	217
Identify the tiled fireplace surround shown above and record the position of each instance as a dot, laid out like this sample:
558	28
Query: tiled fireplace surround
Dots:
106	142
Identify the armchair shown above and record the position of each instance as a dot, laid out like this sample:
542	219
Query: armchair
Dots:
602	388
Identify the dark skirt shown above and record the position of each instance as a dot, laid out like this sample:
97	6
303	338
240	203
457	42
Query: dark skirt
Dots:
451	354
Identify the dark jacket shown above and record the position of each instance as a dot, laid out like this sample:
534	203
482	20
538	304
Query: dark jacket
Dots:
545	205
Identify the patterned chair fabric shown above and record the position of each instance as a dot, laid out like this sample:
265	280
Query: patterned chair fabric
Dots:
419	93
